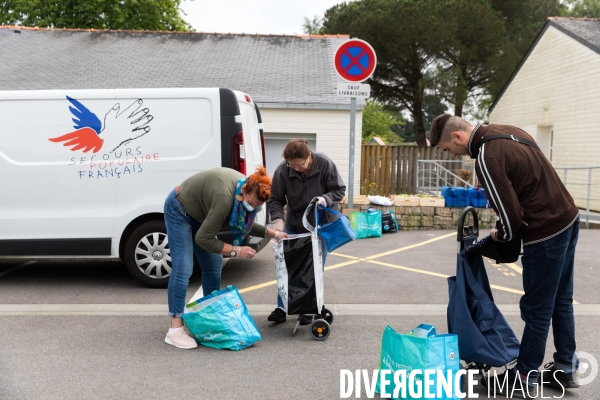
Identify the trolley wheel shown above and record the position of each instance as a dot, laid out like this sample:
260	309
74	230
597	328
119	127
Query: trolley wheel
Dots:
320	329
296	327
327	315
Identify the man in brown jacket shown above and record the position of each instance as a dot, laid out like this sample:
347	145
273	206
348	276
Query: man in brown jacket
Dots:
529	199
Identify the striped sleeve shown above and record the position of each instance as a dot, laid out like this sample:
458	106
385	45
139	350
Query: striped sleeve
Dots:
502	197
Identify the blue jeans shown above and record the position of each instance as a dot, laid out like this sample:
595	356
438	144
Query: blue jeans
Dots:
324	258
548	285
181	232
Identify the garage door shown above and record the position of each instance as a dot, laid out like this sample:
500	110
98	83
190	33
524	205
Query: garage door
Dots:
274	145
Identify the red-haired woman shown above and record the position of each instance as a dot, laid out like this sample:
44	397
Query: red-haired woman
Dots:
195	211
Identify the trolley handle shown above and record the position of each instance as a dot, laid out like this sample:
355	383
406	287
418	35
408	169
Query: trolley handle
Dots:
469	230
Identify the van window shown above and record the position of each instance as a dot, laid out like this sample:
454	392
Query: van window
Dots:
251	137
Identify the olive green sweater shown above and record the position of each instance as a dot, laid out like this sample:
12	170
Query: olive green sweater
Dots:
207	197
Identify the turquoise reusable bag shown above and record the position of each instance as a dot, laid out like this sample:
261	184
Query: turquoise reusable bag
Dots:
221	320
410	352
366	224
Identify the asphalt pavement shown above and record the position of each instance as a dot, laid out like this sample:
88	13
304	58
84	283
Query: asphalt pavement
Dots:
73	330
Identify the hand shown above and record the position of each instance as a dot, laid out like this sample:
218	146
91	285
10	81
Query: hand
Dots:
322	201
126	123
246	252
280	235
278	225
494	235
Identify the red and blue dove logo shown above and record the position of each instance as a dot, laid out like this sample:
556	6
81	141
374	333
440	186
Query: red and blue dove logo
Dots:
88	127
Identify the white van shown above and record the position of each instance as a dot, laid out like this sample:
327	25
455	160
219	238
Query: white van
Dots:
85	173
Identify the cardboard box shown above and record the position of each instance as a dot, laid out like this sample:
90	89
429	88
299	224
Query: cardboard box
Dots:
357	200
347	211
406	201
432	201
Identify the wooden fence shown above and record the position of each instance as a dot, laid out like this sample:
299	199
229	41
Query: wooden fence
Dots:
387	170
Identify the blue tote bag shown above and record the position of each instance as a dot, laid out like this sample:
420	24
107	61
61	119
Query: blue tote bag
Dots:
484	336
420	350
221	320
337	233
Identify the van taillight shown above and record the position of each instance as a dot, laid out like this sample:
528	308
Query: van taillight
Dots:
262	144
238	153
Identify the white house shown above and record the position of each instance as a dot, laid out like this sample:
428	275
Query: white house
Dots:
554	95
291	78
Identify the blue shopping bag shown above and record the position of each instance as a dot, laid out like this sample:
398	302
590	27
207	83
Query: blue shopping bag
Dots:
420	350
366	224
478	198
337	233
221	320
456	196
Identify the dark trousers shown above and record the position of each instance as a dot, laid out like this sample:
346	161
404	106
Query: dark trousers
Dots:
548	285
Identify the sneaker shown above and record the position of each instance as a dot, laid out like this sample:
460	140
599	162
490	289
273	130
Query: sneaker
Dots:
510	384
305	319
181	339
558	379
278	315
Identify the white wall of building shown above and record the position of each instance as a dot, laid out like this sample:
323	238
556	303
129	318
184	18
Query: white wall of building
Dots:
329	130
556	96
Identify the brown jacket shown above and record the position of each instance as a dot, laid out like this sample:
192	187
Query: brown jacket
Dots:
522	186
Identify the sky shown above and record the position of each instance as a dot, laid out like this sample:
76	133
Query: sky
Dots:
253	16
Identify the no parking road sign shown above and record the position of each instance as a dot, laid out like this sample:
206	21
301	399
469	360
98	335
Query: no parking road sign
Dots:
355	60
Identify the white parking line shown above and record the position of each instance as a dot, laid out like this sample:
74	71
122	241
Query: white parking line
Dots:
17	267
255	309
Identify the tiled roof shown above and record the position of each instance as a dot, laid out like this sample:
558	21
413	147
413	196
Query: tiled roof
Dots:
293	70
584	30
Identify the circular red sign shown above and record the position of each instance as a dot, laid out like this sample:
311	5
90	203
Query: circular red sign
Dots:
355	60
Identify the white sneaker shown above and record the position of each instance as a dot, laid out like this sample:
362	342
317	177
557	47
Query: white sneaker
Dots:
181	340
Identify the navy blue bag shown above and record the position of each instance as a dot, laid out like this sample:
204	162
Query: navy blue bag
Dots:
484	336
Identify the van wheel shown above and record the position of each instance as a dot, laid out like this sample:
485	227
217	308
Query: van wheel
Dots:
147	254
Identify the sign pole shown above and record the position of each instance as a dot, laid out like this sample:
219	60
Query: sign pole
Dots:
354	61
352	135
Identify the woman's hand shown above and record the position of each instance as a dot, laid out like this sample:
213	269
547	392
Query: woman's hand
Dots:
276	234
246	252
280	235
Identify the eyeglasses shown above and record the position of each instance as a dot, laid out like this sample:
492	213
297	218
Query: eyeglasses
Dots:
297	165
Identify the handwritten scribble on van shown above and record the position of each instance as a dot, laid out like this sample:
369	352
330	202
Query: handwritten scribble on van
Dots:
88	133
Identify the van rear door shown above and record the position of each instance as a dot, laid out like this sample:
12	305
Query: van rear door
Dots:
241	146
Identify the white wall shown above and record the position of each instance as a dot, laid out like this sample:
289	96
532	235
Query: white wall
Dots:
331	128
564	75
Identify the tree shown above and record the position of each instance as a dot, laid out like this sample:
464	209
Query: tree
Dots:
376	121
312	27
582	9
432	107
97	14
476	56
524	19
405	35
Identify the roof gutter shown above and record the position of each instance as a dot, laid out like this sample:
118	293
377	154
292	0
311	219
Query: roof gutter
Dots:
310	106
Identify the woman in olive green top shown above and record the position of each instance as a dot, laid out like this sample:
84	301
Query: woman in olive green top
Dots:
195	212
